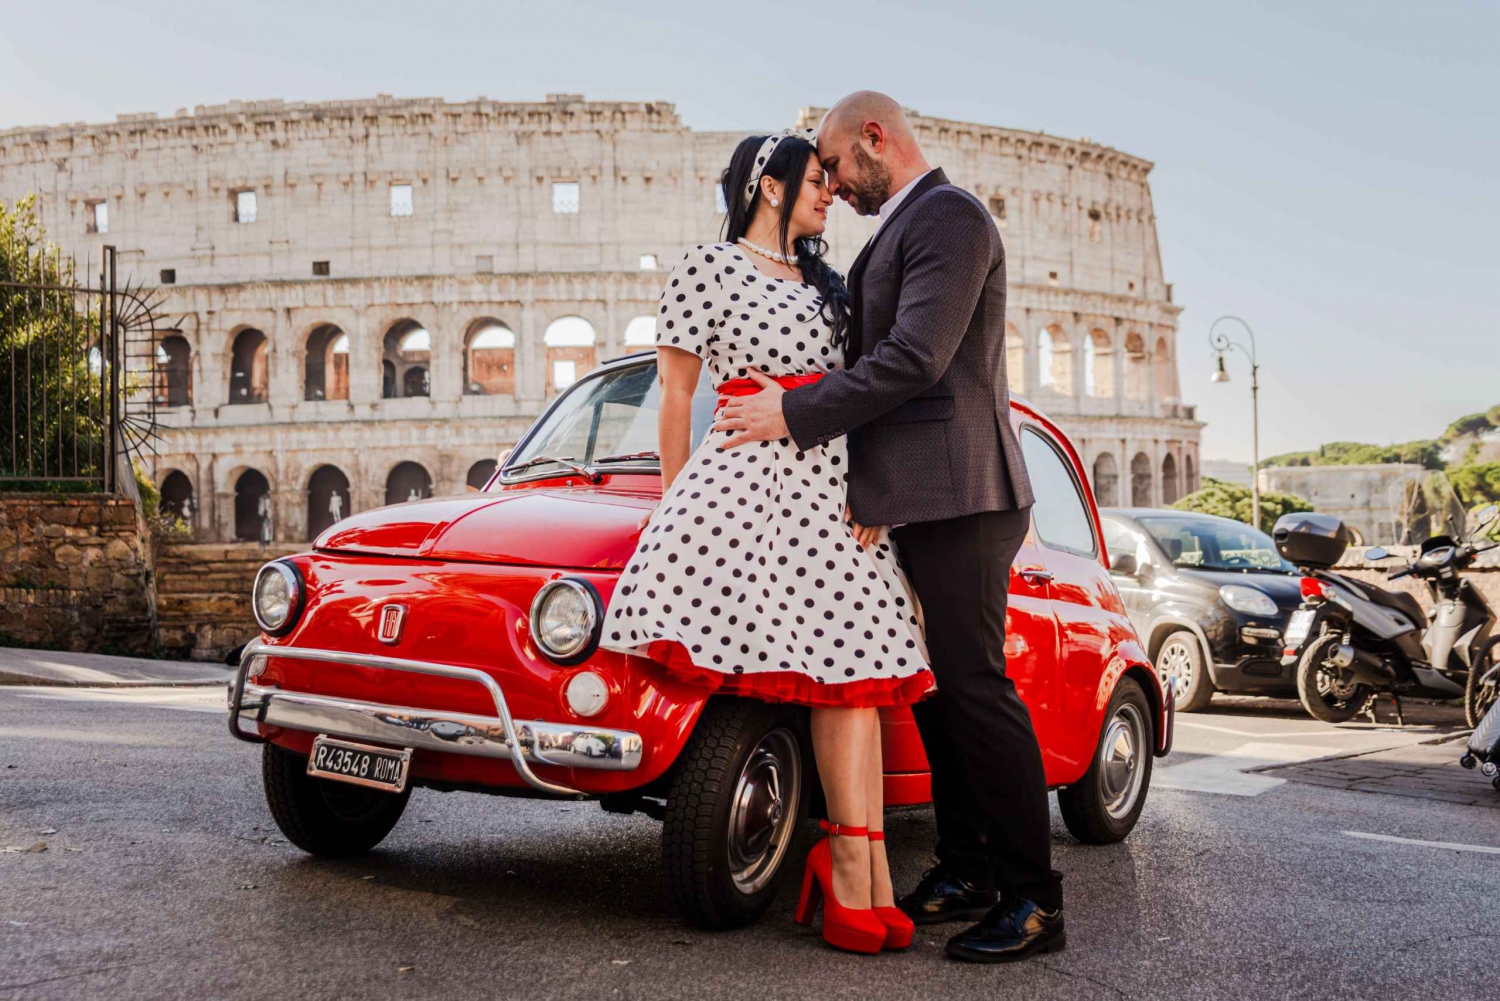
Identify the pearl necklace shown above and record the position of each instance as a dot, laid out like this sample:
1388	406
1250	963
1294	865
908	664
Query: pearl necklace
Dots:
789	260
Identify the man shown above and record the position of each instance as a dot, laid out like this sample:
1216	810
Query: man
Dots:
925	402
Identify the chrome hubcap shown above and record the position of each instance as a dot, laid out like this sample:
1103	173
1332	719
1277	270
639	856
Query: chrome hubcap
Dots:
1120	771
1175	668
762	813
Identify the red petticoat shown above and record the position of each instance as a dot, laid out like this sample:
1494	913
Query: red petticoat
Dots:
793	686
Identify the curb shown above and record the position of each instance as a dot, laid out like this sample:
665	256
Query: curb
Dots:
29	681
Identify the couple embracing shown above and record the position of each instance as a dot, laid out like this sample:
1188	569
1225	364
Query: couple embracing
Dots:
842	538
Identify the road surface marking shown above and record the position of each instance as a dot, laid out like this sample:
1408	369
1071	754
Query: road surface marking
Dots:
1225	772
1449	845
201	700
1299	733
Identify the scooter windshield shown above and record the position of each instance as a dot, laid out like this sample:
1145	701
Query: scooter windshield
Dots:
1426	507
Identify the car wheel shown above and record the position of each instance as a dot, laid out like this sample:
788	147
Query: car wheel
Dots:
736	806
1179	664
1102	807
324	817
1482	688
1328	692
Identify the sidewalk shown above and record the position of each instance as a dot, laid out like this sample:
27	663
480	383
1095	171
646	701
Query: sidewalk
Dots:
87	670
1428	770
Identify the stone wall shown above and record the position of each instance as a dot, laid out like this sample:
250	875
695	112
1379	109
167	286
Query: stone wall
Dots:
75	574
203	596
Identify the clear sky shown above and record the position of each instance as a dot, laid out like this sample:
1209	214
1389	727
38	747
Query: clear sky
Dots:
1327	170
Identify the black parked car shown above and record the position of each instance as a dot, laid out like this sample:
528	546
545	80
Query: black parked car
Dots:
1210	598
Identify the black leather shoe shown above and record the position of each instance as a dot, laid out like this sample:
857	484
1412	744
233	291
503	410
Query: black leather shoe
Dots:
942	896
1014	930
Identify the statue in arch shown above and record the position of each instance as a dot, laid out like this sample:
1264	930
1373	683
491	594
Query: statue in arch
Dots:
263	508
416	495
336	506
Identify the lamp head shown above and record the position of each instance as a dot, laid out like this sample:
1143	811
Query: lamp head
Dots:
1221	374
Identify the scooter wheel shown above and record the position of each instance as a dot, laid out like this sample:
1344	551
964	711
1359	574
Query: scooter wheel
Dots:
1495	782
1468	761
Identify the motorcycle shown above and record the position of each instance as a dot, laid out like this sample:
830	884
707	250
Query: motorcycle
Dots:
1351	641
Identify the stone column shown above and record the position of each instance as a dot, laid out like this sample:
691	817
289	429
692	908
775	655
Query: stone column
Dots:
364	360
285	388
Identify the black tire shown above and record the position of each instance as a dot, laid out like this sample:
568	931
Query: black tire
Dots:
1479	697
729	838
1325	693
1102	807
322	817
1180	663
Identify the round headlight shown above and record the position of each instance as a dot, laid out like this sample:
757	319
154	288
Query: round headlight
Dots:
587	693
565	620
1250	600
277	597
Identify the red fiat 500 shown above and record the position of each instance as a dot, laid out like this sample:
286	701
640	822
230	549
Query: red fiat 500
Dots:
453	644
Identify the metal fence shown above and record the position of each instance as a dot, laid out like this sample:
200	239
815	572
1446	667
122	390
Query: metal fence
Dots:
78	371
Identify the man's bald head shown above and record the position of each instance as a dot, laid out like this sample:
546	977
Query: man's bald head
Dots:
868	149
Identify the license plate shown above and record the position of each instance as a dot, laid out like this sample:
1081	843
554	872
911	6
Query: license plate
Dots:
359	764
1298	628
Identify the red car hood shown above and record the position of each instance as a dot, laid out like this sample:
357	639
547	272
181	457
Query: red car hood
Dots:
565	527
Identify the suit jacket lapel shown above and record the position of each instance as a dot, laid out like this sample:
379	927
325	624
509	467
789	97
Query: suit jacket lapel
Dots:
857	270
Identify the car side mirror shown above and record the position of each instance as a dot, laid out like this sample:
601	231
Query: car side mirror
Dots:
1377	553
1124	564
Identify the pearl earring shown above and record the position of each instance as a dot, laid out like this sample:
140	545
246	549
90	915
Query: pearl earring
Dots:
774	203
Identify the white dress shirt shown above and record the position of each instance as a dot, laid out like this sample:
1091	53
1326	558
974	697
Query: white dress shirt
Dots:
895	200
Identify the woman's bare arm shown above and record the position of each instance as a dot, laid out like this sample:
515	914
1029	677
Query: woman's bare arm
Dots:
677	370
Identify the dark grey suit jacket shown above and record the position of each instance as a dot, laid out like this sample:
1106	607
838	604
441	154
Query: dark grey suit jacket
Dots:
923	395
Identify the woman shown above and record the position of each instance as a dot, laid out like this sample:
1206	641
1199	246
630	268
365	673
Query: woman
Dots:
749	576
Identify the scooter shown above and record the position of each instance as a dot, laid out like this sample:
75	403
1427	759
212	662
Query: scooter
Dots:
1351	640
1484	743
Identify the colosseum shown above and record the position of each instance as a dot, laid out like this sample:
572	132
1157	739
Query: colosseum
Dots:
370	300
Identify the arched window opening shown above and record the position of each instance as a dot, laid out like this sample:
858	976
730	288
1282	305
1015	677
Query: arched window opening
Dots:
326	365
490	360
480	473
407	482
252	507
1169	492
1136	373
1099	362
177	496
570	351
1161	361
407	348
1054	355
327	500
641	332
1106	480
1015	359
1140	480
174	371
249	372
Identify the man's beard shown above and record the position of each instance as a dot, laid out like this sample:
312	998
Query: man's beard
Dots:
873	189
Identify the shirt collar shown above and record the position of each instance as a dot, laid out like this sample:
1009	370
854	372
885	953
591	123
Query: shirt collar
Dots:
895	200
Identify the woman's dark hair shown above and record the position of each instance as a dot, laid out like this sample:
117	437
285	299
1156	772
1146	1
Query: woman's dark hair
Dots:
788	164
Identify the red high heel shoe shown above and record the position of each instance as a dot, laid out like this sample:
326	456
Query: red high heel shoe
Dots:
899	929
843	927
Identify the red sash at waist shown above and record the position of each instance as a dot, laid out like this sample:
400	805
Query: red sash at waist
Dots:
749	387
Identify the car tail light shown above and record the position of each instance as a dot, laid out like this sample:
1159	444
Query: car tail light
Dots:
1314	589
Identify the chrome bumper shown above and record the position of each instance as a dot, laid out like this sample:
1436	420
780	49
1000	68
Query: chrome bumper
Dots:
495	736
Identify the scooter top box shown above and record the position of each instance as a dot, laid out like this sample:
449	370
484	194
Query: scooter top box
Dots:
1311	540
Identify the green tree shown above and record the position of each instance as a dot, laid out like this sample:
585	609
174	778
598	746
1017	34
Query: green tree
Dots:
1230	500
51	388
1478	483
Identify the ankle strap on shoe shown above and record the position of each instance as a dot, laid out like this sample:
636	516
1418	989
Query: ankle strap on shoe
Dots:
844	830
877	835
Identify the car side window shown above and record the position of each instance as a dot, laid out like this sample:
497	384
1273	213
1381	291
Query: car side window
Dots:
1117	538
1060	513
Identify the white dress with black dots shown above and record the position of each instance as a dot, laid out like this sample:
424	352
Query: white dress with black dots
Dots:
748	577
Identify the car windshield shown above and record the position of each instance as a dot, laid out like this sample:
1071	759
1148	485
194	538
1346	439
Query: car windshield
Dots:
606	419
1215	545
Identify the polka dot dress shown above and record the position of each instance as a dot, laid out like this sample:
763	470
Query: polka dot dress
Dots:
747	577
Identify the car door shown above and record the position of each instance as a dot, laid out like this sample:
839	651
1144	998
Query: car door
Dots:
1081	599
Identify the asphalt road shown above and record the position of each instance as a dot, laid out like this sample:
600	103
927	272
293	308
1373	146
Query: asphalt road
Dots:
164	877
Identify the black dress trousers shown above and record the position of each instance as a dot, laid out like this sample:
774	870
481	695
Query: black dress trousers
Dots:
989	790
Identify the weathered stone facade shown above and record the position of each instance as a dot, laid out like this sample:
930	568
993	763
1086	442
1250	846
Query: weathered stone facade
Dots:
306	243
1367	498
75	574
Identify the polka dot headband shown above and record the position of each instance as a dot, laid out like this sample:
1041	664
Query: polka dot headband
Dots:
766	149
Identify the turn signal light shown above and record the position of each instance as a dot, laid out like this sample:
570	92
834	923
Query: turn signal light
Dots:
1314	589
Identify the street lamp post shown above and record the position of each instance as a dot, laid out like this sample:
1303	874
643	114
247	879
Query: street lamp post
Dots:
1222	343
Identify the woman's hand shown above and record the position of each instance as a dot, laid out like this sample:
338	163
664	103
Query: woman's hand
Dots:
865	535
646	519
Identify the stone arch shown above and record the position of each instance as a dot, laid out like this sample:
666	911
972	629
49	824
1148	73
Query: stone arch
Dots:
1169	486
1099	364
328	500
325	365
252	507
1015	358
1106	480
406	360
174	370
406	478
1137	368
1161	370
489	359
641	332
177	496
479	474
1140	480
249	367
1054	354
570	342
